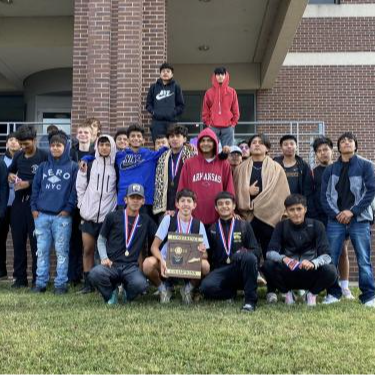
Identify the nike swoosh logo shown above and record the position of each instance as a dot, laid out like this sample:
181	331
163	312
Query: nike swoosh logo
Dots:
163	95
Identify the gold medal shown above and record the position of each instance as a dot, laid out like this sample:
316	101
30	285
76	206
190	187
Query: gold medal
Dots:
228	260
127	253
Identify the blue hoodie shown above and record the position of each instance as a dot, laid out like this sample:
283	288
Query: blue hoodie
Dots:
137	168
54	185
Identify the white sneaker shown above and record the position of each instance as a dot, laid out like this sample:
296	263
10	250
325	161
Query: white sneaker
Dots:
289	299
271	298
261	281
310	299
347	294
165	293
329	299
370	303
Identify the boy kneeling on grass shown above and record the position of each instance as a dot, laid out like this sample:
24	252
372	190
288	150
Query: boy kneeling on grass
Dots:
234	255
183	222
52	202
298	255
122	237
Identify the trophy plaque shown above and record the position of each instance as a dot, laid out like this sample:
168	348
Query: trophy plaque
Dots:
183	257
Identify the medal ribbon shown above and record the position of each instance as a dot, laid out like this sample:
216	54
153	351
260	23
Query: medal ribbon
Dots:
180	226
175	167
129	237
227	244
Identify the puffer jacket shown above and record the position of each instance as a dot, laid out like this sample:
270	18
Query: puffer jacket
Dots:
97	195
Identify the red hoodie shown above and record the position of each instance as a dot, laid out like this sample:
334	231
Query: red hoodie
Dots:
220	105
206	180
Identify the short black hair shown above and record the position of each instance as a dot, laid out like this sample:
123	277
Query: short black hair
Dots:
51	128
322	141
220	70
288	137
177	129
265	140
10	135
224	195
186	193
103	139
348	135
135	128
166	66
26	133
293	199
243	141
121	131
160	136
57	136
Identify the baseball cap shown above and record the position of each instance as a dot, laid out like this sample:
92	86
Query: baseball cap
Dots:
234	149
135	189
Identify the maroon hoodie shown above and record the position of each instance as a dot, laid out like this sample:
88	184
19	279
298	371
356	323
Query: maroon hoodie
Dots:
220	105
206	179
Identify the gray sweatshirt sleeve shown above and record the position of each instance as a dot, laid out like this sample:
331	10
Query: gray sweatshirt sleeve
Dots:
102	248
321	260
275	256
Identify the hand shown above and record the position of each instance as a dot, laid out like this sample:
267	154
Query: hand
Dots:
202	248
12	178
106	262
237	217
344	217
35	214
83	166
21	185
306	265
225	150
254	189
292	264
163	268
170	213
63	214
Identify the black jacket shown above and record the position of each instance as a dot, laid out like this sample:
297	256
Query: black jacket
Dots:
243	237
4	189
165	102
74	148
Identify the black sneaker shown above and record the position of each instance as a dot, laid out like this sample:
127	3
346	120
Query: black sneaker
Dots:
38	289
86	290
20	284
61	290
248	308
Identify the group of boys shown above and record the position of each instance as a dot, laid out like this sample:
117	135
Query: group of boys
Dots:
114	197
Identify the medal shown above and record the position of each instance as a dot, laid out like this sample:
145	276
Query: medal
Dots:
227	244
175	167
129	236
180	226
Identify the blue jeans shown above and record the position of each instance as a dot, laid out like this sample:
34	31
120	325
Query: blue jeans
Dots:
52	229
359	233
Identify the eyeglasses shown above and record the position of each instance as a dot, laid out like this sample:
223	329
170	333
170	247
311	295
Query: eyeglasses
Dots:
244	147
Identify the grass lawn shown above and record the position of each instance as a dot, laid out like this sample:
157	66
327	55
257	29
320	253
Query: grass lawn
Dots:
80	334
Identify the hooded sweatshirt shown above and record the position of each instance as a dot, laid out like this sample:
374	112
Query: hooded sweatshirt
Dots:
165	102
220	105
54	185
97	197
206	179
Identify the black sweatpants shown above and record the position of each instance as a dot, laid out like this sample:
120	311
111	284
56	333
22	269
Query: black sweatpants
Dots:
279	276
4	230
223	282
263	233
22	226
75	268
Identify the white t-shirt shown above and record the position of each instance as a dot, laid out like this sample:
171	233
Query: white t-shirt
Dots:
162	233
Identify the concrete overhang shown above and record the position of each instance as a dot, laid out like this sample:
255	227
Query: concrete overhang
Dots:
250	37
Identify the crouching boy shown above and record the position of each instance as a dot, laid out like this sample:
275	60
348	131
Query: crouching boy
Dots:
234	254
122	237
298	255
52	202
154	267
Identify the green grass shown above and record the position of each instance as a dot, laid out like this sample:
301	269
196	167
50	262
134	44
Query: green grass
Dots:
79	334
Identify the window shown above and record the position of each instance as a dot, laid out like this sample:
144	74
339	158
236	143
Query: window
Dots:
324	1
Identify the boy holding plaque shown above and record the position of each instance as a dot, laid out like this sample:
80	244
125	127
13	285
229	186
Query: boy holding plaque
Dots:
155	267
122	238
234	255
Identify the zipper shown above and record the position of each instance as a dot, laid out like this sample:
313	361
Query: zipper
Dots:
101	194
107	182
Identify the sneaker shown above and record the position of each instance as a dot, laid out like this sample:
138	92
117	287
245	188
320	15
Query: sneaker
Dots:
310	299
124	296
289	299
20	284
60	290
347	294
370	303
114	298
261	281
38	289
248	308
329	299
271	298
186	294
165	294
